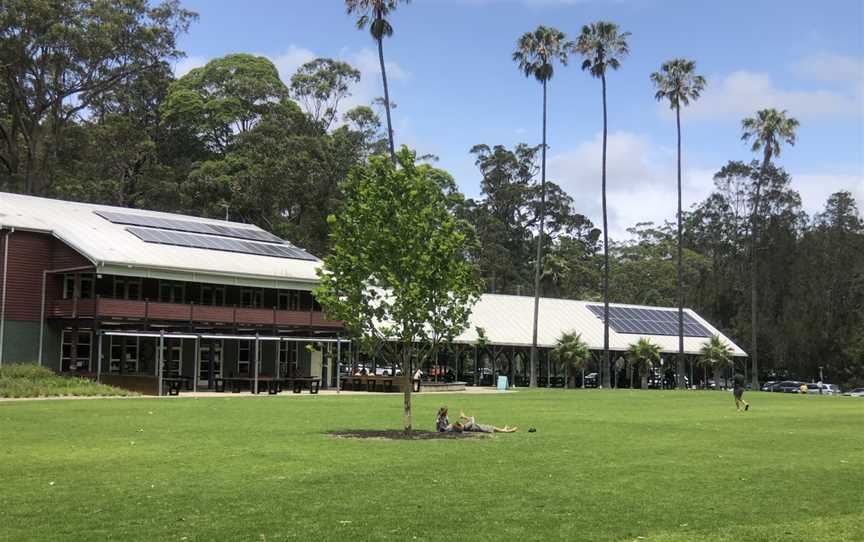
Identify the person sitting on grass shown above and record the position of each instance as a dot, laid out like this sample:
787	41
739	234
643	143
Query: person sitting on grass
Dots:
467	423
442	424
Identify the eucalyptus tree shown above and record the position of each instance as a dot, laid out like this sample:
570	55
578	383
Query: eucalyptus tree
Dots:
767	131
536	53
373	13
678	83
319	85
571	353
643	356
602	46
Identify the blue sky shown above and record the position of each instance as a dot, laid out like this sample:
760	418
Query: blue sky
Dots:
455	86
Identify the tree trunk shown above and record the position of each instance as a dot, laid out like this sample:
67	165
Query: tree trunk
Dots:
533	378
386	97
680	375
643	375
407	386
754	241
717	376
605	372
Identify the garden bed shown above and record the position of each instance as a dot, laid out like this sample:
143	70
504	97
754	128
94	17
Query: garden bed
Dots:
28	380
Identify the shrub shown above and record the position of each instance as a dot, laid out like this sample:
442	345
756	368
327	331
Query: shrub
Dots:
29	380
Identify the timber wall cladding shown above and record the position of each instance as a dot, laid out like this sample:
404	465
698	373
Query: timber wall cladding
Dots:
30	254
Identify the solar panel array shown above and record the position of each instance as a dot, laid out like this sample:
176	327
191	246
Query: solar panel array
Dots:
189	226
649	321
194	240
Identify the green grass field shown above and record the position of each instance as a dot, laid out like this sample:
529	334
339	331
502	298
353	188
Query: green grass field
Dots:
603	465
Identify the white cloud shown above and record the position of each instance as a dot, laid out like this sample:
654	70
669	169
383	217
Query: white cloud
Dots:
642	183
288	62
187	64
830	68
743	92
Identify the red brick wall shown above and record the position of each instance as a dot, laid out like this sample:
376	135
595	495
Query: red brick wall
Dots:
30	254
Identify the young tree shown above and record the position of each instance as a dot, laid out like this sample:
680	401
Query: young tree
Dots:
319	85
643	355
535	54
716	355
768	130
572	354
398	269
678	83
373	13
58	57
602	46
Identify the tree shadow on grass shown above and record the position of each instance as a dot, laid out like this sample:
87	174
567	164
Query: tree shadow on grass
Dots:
396	434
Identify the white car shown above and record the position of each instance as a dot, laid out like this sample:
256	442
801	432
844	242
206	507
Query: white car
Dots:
822	389
857	392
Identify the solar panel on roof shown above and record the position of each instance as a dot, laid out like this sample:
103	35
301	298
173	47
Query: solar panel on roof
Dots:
631	320
194	240
189	226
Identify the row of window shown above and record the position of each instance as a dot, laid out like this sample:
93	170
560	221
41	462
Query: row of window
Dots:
124	355
175	292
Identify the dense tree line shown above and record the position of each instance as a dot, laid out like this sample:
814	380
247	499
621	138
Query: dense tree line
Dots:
90	110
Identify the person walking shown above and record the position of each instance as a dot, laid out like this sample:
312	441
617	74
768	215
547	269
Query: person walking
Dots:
738	391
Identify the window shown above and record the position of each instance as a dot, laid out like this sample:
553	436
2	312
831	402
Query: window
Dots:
75	350
127	288
251	298
172	356
124	355
86	288
172	292
289	301
68	286
288	358
212	295
244	356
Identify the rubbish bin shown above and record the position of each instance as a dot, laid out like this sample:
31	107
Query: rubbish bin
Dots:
502	383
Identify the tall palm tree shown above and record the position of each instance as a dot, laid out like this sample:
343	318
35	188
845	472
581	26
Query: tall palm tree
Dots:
678	83
535	53
602	46
373	13
572	353
768	130
716	355
644	355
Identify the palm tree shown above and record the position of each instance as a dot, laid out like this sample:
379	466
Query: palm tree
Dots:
572	353
644	355
717	355
373	13
768	131
535	53
602	46
678	83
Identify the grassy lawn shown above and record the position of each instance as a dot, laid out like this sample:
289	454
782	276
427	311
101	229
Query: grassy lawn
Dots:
603	465
27	380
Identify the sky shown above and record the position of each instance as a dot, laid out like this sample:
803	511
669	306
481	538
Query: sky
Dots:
452	78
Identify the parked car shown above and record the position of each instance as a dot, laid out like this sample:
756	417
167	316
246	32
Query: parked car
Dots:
788	386
821	389
591	380
769	386
857	392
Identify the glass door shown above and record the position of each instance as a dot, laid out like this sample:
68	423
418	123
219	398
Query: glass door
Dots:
209	362
172	356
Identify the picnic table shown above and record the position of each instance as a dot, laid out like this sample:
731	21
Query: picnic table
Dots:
176	382
369	382
271	384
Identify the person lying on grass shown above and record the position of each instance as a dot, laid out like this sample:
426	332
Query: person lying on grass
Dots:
467	423
442	424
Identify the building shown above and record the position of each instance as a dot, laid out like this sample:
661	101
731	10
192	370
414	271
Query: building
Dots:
77	280
107	291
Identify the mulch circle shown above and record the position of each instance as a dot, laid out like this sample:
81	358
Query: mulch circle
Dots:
401	435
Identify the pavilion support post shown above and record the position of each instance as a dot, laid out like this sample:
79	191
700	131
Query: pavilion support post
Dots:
338	363
196	371
257	361
99	356
476	367
160	358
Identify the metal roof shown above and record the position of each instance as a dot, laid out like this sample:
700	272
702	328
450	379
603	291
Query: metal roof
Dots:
508	320
114	250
